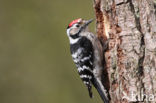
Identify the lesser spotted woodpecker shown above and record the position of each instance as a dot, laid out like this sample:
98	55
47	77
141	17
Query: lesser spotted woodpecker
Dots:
87	54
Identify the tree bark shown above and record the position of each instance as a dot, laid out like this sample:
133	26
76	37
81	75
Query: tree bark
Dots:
129	26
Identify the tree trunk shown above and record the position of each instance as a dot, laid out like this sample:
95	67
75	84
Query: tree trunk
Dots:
129	26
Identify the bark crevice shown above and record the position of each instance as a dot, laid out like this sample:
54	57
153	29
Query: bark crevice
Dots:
142	42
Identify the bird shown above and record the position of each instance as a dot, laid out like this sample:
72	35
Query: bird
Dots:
87	54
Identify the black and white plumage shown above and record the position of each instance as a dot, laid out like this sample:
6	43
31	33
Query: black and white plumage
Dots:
87	54
82	54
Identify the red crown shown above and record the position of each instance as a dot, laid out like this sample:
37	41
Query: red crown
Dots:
74	21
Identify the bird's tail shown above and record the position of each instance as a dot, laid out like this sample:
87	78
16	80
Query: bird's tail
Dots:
101	90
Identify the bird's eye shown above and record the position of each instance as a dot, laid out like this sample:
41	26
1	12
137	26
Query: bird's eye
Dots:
77	25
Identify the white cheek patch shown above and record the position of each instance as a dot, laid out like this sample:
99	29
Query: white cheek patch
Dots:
73	41
71	31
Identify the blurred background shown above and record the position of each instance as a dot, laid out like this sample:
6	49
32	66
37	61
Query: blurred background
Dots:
35	61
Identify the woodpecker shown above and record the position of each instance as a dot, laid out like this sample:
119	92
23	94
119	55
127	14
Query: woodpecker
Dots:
87	54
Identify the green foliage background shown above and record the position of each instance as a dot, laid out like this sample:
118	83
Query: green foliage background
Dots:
35	62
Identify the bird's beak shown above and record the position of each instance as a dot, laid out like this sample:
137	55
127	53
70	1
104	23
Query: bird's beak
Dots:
87	23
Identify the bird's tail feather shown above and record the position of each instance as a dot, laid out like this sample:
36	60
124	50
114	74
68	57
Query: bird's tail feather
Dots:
90	92
101	90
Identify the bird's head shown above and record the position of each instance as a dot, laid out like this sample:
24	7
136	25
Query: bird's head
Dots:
77	26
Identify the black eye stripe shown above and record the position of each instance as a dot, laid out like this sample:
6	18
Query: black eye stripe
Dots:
77	25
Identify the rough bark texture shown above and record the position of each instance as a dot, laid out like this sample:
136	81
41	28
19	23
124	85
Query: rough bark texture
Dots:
130	26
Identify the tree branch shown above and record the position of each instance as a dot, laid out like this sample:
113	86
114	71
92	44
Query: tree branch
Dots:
130	60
